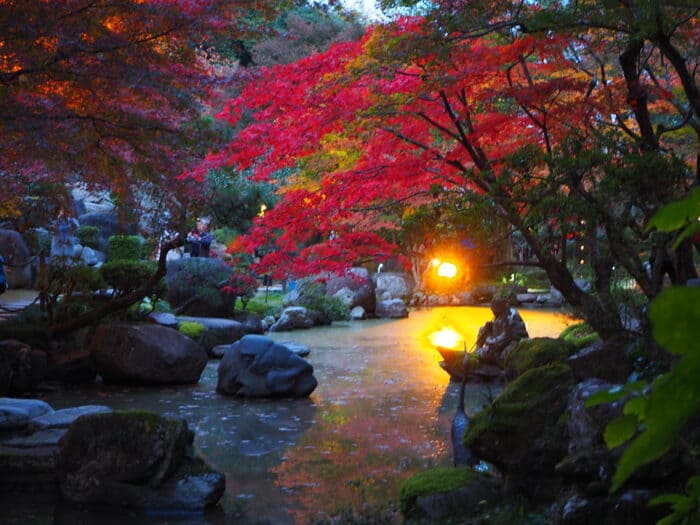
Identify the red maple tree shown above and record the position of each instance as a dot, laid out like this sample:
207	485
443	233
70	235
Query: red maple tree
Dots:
542	129
107	93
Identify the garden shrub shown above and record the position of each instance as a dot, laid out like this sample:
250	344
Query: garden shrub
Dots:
126	276
260	306
243	284
312	296
191	329
202	278
89	236
124	247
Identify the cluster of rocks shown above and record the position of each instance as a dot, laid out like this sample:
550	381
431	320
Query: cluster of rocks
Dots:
93	455
149	354
380	295
483	294
540	443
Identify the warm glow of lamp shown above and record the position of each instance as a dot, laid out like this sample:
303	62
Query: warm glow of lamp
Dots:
447	270
445	337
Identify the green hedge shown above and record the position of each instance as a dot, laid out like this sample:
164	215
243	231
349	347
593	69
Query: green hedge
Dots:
126	276
124	248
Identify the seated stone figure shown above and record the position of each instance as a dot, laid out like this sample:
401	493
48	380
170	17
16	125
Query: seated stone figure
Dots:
498	337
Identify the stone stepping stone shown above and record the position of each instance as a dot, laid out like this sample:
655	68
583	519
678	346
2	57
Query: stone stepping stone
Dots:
17	413
64	417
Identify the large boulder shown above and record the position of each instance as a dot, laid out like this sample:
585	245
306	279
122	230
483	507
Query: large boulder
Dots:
29	450
146	354
22	367
256	366
391	309
445	491
17	256
586	425
609	361
354	289
69	358
217	331
294	318
136	459
394	285
522	432
535	352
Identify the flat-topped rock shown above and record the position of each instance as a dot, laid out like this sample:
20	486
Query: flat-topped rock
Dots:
16	413
64	417
38	439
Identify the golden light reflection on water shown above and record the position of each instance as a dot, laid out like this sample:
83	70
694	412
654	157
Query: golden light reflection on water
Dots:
447	337
384	406
381	413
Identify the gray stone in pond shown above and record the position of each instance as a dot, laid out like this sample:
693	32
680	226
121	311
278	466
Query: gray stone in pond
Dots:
298	348
41	438
163	319
64	417
16	413
257	366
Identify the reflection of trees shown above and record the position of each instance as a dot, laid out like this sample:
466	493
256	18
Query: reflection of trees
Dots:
377	442
253	437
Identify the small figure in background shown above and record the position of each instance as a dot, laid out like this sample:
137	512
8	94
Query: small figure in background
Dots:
3	277
63	241
200	238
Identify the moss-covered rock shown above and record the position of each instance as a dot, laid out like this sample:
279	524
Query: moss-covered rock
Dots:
579	335
445	491
524	431
536	352
137	459
122	447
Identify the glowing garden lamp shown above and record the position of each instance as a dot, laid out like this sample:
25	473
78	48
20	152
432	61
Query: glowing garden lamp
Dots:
447	270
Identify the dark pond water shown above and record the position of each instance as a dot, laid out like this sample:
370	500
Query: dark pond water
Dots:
381	413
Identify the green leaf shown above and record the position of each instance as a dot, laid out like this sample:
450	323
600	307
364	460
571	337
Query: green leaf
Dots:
673	401
675	317
635	407
615	394
687	232
693	486
620	430
671	499
605	396
677	214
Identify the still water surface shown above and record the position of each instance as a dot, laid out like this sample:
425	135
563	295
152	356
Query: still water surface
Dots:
381	413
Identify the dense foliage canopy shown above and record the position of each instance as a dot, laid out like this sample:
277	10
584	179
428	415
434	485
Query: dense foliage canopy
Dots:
550	120
108	93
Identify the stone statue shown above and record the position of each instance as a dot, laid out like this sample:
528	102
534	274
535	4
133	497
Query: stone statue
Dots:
498	337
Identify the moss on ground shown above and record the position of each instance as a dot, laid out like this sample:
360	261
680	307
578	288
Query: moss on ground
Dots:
579	335
536	352
437	480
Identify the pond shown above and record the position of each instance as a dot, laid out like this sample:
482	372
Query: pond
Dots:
381	413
